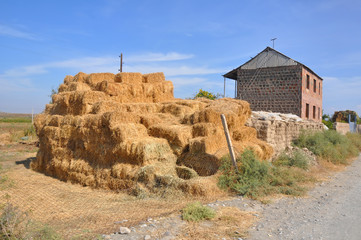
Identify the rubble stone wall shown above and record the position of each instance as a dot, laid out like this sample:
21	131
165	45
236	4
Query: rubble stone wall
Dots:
279	133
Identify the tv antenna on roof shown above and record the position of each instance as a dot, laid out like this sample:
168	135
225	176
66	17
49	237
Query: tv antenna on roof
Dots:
273	42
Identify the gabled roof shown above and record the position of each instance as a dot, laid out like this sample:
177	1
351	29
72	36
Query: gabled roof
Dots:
267	58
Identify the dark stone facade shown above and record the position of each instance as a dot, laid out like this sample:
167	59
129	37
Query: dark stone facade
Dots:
276	89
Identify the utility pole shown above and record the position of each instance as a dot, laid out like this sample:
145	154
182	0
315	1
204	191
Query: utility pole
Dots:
273	42
121	62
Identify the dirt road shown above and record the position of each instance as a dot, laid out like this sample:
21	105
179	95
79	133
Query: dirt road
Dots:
332	211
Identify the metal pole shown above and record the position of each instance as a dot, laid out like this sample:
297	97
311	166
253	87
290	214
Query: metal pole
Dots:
121	63
235	89
229	141
224	87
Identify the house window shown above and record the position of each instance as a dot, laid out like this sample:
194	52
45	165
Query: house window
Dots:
314	112
308	82
319	88
307	110
318	113
314	85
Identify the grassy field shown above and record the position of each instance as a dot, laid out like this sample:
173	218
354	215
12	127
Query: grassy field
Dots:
70	211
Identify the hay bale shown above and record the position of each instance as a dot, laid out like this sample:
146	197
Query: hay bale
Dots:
127	77
244	134
127	131
153	77
186	172
177	135
94	78
80	77
68	79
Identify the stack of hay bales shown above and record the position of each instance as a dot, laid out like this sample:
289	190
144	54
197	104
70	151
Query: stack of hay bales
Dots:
127	131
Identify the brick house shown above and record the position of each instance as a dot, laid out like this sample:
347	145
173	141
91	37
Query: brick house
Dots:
274	82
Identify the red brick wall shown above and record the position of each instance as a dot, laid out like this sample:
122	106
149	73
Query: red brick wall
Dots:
311	97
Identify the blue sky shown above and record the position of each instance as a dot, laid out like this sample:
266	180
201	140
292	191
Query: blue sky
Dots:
194	42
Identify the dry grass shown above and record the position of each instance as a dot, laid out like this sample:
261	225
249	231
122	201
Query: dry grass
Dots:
230	222
73	210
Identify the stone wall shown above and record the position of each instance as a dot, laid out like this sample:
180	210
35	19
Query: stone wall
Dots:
279	130
344	128
276	89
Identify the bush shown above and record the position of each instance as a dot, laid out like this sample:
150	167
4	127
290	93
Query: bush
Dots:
259	178
13	222
329	145
206	94
296	159
30	131
196	212
328	124
16	224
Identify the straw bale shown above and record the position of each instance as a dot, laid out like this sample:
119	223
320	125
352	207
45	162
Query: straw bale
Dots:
123	171
82	101
204	164
68	79
124	131
153	77
94	78
127	131
205	130
244	134
204	186
186	172
63	88
108	106
55	120
111	119
177	135
145	151
177	110
113	88
80	77
78	86
128	77
148	120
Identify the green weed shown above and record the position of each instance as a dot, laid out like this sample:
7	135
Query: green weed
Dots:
16	224
296	159
195	212
330	145
257	178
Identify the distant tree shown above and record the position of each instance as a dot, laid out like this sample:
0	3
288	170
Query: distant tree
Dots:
53	91
326	119
206	94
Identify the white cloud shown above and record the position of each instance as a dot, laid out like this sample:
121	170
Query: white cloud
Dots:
158	57
177	81
12	32
170	71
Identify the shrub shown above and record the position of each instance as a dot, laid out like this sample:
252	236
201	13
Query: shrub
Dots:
30	131
295	159
259	178
329	145
13	222
196	212
206	94
16	224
